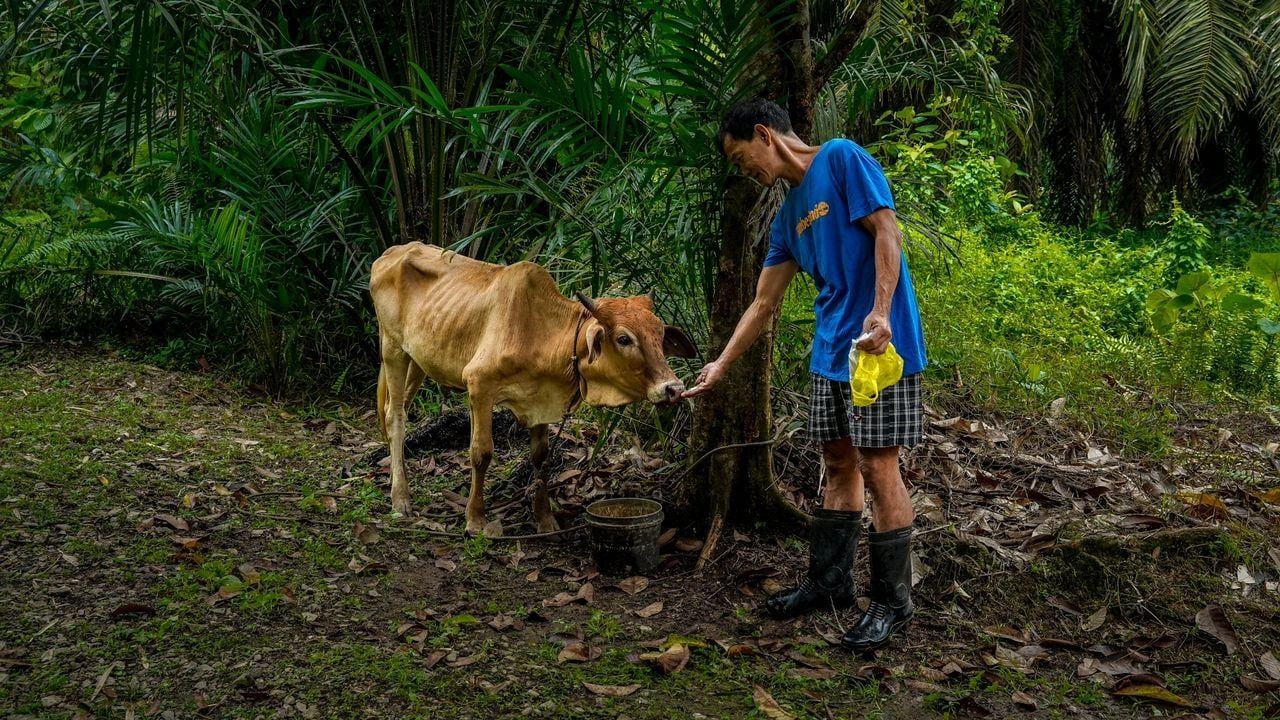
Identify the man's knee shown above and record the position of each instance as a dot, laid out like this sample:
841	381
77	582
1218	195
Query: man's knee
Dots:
840	457
880	465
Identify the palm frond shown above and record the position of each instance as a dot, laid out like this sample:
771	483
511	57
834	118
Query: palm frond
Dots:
1139	32
1203	67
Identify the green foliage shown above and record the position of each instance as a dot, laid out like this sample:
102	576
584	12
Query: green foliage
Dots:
208	177
1207	329
1240	227
1266	266
1184	245
1065	315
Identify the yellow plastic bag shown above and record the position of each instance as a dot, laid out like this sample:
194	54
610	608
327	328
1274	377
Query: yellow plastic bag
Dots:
870	374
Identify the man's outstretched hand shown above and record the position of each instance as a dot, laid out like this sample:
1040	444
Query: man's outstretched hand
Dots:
711	374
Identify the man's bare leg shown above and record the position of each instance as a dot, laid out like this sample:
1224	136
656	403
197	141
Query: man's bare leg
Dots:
891	505
833	539
844	489
890	550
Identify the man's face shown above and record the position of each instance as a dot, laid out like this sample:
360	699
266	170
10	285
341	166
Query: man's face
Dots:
756	157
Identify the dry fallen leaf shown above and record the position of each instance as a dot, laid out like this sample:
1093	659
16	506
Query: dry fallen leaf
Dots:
688	544
1094	621
132	608
925	686
465	661
649	611
1204	506
770	707
579	652
560	600
633	584
671	660
1006	632
1213	620
366	534
172	521
501	622
1259	685
1024	700
1271	665
611	690
931	674
1151	693
1271	497
1066	606
250	574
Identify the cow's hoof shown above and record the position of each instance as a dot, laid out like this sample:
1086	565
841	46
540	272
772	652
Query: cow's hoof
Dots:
402	507
474	528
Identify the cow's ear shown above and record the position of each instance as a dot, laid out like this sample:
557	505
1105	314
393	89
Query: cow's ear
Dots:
595	342
676	344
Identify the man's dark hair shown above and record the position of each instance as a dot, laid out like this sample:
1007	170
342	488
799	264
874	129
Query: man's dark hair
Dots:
741	120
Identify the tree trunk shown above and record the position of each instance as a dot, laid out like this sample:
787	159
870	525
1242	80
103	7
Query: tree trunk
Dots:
736	483
732	426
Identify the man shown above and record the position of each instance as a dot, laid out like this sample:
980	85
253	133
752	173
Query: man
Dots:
838	225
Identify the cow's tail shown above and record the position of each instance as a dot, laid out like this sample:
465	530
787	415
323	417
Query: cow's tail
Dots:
382	400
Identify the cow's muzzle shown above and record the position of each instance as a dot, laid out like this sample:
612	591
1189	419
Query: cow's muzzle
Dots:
666	393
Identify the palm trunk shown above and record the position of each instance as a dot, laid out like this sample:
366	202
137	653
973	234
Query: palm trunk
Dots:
734	423
732	427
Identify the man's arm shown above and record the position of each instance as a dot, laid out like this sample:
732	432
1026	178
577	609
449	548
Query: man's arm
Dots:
769	289
883	226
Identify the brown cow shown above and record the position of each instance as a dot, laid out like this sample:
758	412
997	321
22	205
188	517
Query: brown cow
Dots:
508	337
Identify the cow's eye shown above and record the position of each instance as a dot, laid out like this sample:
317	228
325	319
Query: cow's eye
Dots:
623	340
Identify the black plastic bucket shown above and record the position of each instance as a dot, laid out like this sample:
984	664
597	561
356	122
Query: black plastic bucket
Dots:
624	534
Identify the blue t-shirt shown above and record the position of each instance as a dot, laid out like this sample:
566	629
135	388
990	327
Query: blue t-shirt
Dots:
818	228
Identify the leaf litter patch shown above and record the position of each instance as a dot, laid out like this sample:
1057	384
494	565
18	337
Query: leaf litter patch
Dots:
299	564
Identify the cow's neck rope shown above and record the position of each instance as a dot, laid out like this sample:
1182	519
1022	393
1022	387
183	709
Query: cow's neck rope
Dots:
579	388
580	382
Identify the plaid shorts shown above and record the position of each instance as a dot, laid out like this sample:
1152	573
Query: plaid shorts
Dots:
894	419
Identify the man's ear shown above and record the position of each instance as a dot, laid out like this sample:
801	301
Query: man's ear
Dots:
762	132
676	344
595	342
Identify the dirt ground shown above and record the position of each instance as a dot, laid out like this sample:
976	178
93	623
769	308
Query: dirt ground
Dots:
172	546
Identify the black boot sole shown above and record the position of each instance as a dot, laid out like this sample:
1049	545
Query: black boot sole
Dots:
828	604
896	629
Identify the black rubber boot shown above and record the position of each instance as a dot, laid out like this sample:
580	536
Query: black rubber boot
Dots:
891	608
833	541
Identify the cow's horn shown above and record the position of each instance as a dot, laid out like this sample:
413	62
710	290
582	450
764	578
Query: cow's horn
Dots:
587	302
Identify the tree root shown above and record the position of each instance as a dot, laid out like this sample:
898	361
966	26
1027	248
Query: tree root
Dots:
713	537
1174	538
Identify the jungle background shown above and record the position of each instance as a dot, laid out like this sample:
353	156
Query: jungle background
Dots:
195	517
